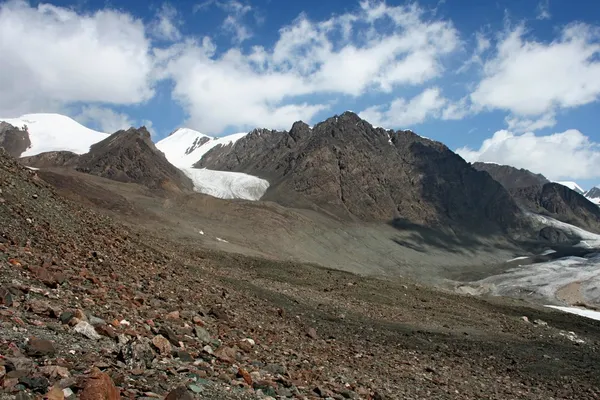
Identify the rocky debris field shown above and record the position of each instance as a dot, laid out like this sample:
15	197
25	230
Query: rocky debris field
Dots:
93	309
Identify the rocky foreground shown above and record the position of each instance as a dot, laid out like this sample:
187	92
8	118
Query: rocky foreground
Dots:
93	309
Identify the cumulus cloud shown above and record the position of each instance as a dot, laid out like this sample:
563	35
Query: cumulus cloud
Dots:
105	119
375	48
530	78
579	157
52	56
402	113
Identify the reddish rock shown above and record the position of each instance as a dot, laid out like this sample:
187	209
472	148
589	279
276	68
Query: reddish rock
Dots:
99	386
244	374
55	393
40	347
312	333
180	393
162	344
227	354
172	315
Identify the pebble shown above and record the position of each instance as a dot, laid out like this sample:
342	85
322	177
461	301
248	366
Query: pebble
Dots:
87	330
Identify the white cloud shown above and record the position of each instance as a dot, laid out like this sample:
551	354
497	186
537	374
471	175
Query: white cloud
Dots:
166	24
53	56
530	78
106	119
520	124
233	22
566	155
402	113
543	10
376	48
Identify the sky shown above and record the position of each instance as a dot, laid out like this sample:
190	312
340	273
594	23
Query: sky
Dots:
515	82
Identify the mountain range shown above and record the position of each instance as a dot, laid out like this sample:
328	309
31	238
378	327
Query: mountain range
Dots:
342	167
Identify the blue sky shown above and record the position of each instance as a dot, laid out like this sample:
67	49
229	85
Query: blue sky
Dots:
513	82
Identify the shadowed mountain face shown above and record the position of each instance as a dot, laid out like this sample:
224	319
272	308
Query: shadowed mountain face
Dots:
536	194
351	169
14	140
125	156
593	193
511	177
560	202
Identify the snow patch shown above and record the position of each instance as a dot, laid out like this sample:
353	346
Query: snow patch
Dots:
579	311
55	132
518	258
572	185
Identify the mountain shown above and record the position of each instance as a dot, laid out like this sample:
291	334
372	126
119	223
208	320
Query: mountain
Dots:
511	177
14	140
185	146
593	195
536	194
54	132
350	169
573	186
125	156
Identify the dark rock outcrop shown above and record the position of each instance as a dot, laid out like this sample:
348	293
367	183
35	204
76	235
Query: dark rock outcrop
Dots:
511	177
535	193
51	159
561	203
13	139
553	235
351	169
125	156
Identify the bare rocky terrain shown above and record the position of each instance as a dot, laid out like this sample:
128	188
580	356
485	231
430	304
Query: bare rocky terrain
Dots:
535	193
99	298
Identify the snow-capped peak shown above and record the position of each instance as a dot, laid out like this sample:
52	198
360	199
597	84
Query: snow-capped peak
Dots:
55	132
185	147
573	186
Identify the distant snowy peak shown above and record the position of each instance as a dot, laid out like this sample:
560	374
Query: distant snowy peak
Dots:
184	147
573	186
55	132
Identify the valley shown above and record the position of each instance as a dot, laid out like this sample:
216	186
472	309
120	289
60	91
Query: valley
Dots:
300	288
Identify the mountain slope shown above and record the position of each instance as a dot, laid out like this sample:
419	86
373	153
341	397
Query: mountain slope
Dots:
351	169
511	177
536	194
573	186
125	156
55	132
560	202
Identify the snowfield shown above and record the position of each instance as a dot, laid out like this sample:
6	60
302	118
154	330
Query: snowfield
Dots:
227	185
183	150
55	132
544	281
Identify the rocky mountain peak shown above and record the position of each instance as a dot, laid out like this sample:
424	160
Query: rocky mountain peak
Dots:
348	168
13	139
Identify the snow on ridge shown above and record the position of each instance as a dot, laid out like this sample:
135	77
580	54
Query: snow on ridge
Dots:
571	185
56	132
